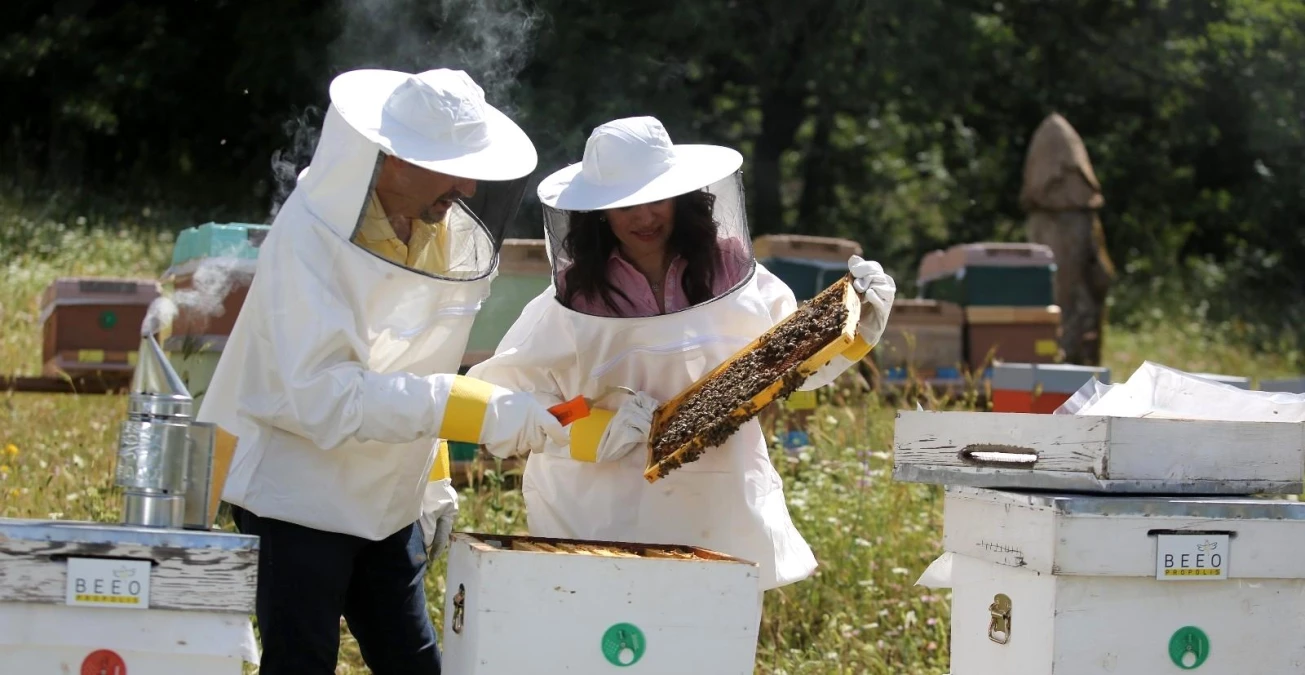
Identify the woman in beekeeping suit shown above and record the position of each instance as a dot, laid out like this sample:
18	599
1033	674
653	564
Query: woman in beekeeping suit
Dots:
654	284
340	374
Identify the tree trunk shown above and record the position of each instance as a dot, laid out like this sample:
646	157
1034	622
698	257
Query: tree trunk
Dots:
781	115
816	181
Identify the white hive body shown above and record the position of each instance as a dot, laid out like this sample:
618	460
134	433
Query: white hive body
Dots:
1094	584
1133	535
673	610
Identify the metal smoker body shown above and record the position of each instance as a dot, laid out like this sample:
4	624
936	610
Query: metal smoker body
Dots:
165	457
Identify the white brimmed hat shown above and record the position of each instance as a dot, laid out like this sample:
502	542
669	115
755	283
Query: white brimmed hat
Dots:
632	161
438	120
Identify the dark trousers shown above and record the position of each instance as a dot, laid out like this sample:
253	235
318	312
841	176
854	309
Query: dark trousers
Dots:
308	579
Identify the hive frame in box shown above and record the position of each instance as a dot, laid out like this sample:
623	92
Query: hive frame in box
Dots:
741	414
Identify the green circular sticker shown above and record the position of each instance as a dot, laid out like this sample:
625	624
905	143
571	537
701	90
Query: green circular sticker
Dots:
108	319
623	645
1189	647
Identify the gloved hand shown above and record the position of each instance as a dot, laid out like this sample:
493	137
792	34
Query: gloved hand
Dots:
877	291
439	509
605	436
516	423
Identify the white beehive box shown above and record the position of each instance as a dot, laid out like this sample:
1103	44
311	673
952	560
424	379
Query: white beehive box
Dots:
98	597
1047	584
509	611
1099	454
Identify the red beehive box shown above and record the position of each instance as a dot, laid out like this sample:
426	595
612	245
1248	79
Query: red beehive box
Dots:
1039	387
92	325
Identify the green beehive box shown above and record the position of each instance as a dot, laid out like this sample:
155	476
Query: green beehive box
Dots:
806	264
990	275
462	452
523	274
805	277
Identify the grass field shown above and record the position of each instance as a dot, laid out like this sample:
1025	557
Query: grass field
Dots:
861	613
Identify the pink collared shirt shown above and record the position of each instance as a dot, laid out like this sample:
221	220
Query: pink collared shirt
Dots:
731	267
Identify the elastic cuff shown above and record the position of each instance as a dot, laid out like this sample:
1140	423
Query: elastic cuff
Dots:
464	413
858	349
440	469
587	433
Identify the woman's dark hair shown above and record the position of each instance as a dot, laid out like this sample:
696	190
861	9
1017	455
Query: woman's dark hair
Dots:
590	241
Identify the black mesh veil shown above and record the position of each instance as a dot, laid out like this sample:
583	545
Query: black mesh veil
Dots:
462	246
732	259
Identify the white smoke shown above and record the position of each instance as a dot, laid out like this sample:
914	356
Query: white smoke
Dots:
490	39
210	283
302	130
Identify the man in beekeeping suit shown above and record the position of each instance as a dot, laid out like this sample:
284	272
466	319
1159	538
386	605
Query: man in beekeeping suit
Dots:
339	377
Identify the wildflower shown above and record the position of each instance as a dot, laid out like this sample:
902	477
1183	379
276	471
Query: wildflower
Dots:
4	470
11	450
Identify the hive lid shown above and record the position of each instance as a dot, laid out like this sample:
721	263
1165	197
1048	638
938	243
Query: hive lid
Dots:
951	261
831	249
97	291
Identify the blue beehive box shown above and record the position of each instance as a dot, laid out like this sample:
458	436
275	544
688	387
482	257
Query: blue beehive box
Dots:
214	240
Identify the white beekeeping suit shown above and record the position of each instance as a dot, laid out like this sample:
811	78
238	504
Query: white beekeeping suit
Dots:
731	499
339	376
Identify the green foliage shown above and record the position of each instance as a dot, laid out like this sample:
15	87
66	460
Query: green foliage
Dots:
899	123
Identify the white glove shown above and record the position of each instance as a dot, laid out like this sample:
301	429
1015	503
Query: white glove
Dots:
516	423
439	508
877	291
627	430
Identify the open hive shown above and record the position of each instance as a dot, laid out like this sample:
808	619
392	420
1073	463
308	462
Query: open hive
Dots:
600	549
765	370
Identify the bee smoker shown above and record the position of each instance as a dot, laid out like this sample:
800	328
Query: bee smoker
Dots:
165	457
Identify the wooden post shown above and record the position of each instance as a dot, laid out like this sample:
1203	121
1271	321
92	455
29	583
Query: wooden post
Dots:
1061	196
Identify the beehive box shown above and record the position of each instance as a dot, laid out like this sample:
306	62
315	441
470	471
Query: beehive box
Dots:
1018	334
1039	388
218	258
990	274
1098	454
923	335
91	597
195	358
523	274
1095	585
527	604
806	264
92	325
766	369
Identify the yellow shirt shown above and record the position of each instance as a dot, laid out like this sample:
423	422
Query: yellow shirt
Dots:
427	249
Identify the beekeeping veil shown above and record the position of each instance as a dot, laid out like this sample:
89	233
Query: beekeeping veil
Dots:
322	380
632	161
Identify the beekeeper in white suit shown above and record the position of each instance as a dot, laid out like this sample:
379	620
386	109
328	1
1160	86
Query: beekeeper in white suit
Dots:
339	376
654	284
